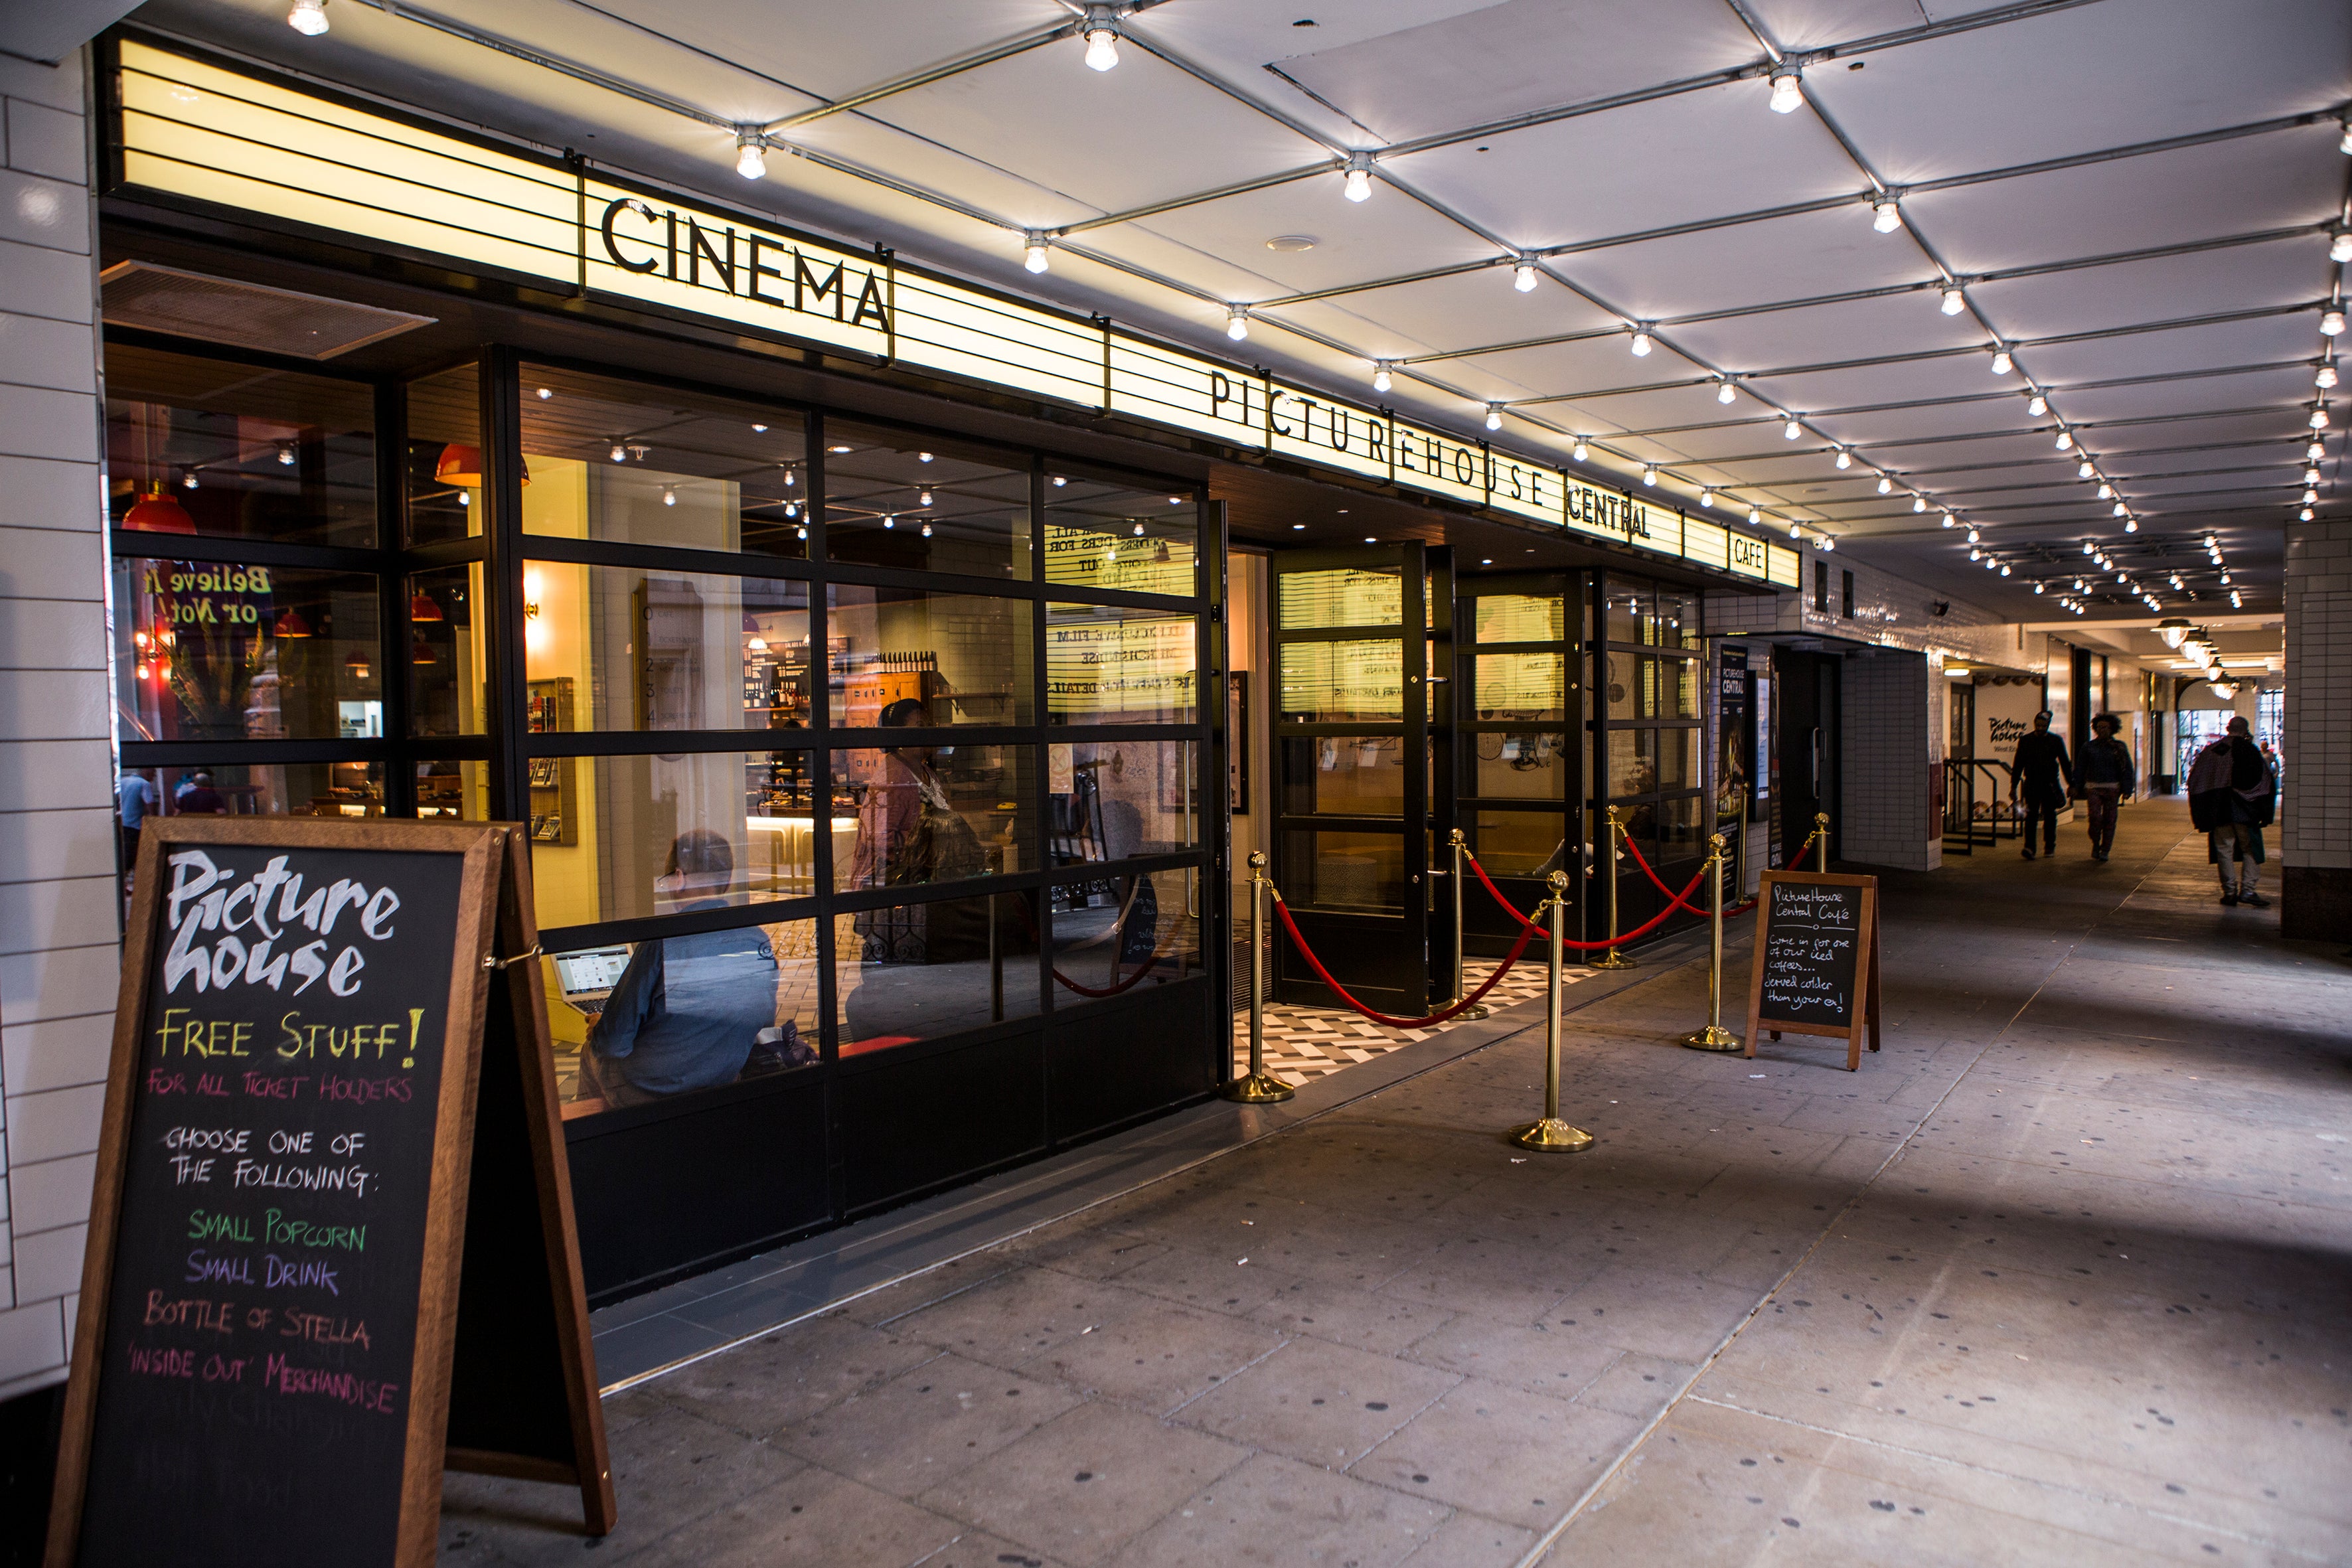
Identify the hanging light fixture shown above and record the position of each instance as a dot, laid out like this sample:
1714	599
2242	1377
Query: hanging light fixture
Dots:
1640	345
2000	362
2004	568
1918	503
1790	430
290	623
1358	185
1579	453
2331	322
356	665
1649	475
2038	406
1100	30
1885	485
422	607
2131	525
751	152
1380	379
1494	417
2066	440
1954	303
421	652
1950	519
2311	497
1787	94
1237	323
2313	452
1884	217
1844	458
1523	273
1975	534
1723	390
309	17
2310	476
1033	245
2325	377
2319	422
159	513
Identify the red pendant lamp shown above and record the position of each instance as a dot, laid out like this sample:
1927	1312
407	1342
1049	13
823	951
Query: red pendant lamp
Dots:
159	513
357	664
461	466
422	607
421	652
290	623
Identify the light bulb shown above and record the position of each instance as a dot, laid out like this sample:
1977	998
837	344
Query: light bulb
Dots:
2106	492
1845	458
1649	475
2089	548
1884	217
2225	577
1976	554
1918	503
1237	323
1579	453
2039	406
2319	417
1380	382
791	509
1953	301
1494	417
2083	470
2000	362
2038	588
2004	568
2175	580
2340	248
620	453
1641	344
2315	452
2066	440
188	481
1723	394
1034	254
1359	183
2332	322
889	520
2235	602
1787	94
919	456
1101	34
1755	514
2310	476
1790	430
800	533
1975	534
751	154
669	498
1885	485
926	531
1950	519
1828	543
1523	276
1793	532
286	454
2311	497
1706	497
2118	511
309	17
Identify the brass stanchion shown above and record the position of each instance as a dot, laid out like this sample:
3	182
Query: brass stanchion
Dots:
1714	1036
1612	959
1821	832
1481	1010
1551	1134
1260	1088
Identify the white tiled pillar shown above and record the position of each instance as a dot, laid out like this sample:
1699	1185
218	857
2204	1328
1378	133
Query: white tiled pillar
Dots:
2316	847
57	911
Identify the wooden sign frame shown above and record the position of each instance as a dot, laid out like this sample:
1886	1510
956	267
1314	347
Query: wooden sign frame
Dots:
493	913
1865	1017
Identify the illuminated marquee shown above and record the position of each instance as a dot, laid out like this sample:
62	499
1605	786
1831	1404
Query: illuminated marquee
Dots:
196	130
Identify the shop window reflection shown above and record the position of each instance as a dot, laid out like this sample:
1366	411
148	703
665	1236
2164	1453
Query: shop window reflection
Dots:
444	458
1119	933
1116	799
204	447
291	789
209	651
925	504
1112	536
1331	870
1522	842
918	971
1343	775
628	647
934	813
966	658
1119	665
642	1023
444	658
1528	765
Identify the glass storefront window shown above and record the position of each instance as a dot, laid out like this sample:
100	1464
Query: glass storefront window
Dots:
446	656
445	456
1327	870
641	1023
1106	665
925	504
918	971
1110	799
1678	759
962	658
1121	932
205	447
1343	775
1672	620
1632	763
1342	682
1101	535
1528	686
1520	617
627	463
934	814
633	647
1310	601
453	791
624	838
1670	687
207	651
1522	842
1524	766
1624	610
291	789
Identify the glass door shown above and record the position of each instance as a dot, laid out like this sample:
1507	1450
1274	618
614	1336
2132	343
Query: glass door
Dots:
1351	780
1519	721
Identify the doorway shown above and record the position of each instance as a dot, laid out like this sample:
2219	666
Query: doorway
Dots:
1810	744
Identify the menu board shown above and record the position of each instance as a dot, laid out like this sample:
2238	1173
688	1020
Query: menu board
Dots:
262	1372
1815	966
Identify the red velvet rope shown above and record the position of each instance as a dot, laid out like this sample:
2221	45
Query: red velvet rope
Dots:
1677	898
1462	1006
1639	930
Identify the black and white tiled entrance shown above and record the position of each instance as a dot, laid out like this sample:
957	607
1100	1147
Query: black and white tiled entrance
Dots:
1303	1043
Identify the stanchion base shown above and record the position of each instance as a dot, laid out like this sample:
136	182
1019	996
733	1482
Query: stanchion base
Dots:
1612	959
1258	1088
1714	1038
1553	1136
1480	1011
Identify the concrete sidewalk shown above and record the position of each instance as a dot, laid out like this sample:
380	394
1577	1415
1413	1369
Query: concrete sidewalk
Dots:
2058	1276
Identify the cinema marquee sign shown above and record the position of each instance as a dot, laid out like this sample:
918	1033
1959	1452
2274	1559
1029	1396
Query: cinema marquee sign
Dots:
193	130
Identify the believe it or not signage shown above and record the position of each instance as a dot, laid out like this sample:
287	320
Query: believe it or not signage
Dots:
196	130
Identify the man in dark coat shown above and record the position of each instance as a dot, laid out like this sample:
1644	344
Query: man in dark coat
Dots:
2042	775
2232	795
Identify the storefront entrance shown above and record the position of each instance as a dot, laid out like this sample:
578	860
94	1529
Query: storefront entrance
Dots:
1810	743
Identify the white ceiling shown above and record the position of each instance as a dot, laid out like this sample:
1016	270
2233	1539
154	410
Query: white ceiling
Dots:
2136	195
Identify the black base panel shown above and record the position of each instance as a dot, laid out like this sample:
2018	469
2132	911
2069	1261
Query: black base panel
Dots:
1119	1060
913	1125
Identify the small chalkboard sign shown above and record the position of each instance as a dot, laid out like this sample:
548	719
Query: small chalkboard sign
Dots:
277	1278
1815	969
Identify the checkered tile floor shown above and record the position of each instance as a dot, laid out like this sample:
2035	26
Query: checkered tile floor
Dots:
1307	1043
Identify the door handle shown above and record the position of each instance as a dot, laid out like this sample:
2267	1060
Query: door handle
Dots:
1817	768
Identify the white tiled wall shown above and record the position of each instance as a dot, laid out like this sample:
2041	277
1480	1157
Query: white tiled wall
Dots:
58	918
2317	817
1890	745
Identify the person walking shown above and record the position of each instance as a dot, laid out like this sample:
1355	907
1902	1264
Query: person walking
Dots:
2044	775
135	800
2232	796
2108	780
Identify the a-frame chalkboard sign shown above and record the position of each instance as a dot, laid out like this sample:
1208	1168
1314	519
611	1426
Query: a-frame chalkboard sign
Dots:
1815	968
331	1245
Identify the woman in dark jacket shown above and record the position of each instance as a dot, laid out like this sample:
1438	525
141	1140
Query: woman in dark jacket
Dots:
2108	780
2232	795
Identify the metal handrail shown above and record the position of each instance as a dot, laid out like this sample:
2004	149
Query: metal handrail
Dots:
1968	808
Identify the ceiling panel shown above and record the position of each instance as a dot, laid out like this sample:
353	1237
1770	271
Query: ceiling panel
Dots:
1904	381
1589	365
2088	78
1913	423
2188	394
1517	58
2241	186
1896	324
1800	24
2202	283
2219	345
1749	263
1696	155
2156	465
1354	241
2253	426
1445	314
1910	457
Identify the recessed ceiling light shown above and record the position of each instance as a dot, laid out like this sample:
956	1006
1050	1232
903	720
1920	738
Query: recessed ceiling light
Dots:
1290	244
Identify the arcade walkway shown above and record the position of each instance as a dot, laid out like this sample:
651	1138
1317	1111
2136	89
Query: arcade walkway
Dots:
2064	1276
